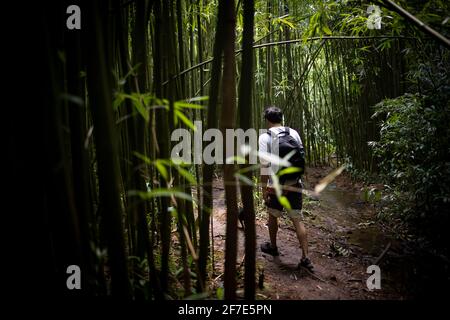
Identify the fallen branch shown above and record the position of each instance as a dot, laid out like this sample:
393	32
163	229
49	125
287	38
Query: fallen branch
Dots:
217	278
377	261
312	274
408	16
242	262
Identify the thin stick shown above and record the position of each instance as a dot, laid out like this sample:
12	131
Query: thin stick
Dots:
382	254
312	274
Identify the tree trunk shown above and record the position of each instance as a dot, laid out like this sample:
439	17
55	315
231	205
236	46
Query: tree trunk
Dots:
227	122
245	115
208	170
107	156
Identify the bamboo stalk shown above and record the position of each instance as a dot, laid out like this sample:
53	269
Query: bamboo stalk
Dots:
227	122
245	113
271	44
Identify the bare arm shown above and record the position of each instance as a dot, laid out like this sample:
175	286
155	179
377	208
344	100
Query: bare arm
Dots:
263	141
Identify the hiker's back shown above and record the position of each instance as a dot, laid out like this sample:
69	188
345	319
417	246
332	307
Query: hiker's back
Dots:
284	141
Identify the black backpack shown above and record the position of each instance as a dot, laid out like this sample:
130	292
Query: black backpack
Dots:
286	144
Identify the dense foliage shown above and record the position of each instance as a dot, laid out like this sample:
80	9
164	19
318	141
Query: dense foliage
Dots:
414	155
412	151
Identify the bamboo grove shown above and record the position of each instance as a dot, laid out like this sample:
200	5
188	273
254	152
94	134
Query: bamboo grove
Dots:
139	224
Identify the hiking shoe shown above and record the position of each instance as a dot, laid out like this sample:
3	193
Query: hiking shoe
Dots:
306	263
267	248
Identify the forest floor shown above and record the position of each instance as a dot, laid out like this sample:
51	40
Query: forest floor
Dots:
344	239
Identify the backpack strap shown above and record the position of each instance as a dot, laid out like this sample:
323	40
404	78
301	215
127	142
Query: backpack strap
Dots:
286	131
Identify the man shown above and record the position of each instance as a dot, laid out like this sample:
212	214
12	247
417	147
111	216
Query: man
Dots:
291	189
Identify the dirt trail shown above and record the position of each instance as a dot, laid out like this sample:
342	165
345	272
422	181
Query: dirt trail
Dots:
343	242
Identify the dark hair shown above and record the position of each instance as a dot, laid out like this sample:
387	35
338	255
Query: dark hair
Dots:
273	114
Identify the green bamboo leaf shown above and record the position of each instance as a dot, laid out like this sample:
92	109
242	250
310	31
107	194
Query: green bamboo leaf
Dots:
161	192
137	103
200	98
234	159
161	101
220	293
129	96
141	109
249	168
142	157
276	184
132	71
273	159
284	202
179	162
162	169
287	22
244	179
165	162
314	19
147	99
186	174
185	120
117	101
326	30
288	171
186	105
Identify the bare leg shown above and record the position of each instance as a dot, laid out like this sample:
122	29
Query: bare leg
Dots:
301	236
273	229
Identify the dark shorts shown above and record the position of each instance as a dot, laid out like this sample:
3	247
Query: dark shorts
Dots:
295	200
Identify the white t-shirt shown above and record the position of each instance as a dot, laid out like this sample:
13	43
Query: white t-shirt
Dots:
264	142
